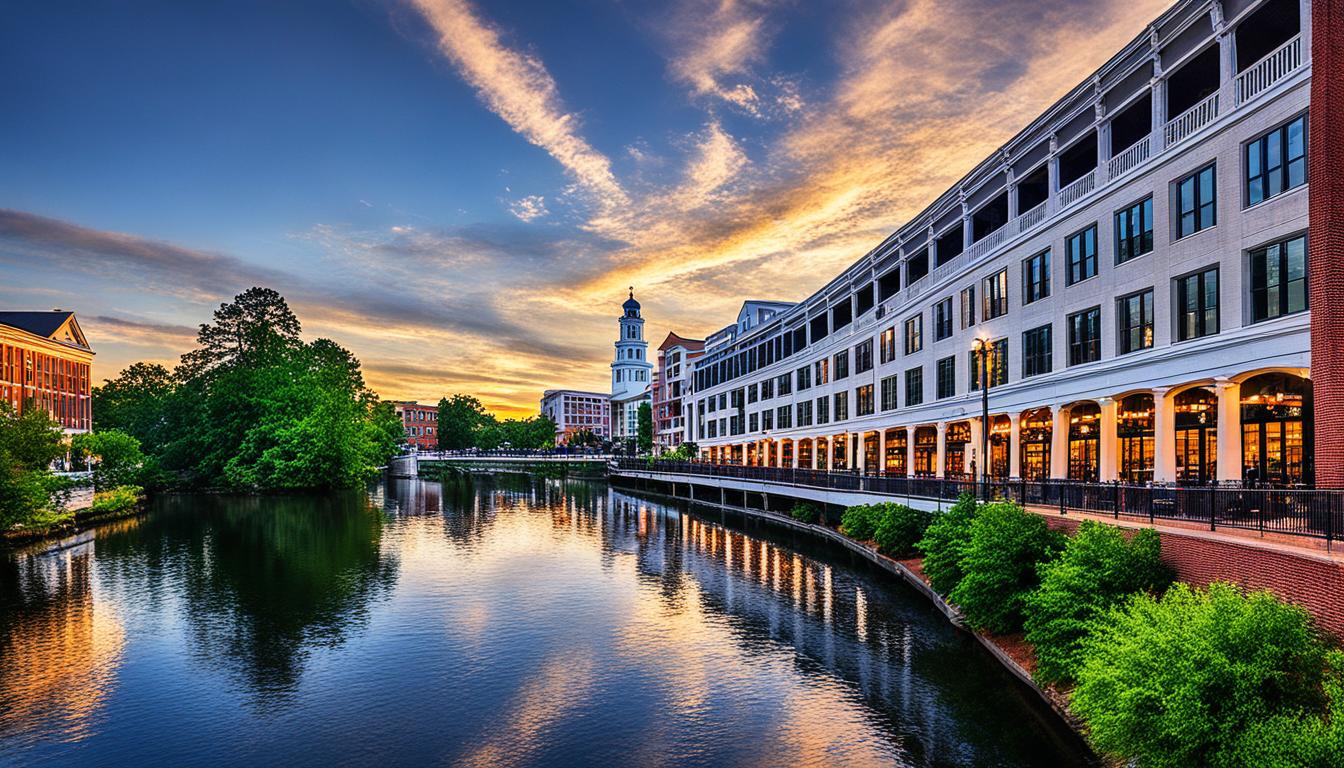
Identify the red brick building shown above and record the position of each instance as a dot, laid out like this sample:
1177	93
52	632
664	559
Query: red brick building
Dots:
44	360
421	423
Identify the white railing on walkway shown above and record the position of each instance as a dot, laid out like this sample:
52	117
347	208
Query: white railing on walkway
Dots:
1077	188
1269	70
1031	218
1191	120
1130	159
989	242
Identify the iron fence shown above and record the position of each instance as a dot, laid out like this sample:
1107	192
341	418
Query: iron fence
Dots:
1312	513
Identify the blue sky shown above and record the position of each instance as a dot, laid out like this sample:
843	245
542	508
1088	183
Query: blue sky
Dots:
459	191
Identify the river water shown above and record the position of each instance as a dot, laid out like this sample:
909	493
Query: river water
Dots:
510	621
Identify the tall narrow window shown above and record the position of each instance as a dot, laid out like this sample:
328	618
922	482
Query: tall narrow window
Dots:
997	365
1036	351
841	406
967	307
914	334
995	290
914	387
863	356
1081	249
942	319
1197	305
1277	161
890	399
1279	279
1196	202
1135	313
1134	230
840	365
947	378
1085	336
863	400
888	345
1036	277
823	409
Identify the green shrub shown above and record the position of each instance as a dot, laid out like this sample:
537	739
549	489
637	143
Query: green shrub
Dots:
805	513
999	565
117	458
1098	569
859	522
121	500
1186	679
943	541
1302	738
898	528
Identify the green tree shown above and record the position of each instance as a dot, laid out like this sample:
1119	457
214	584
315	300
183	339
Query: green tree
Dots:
644	422
1184	679
117	458
943	542
898	528
1099	568
138	402
998	564
461	417
30	494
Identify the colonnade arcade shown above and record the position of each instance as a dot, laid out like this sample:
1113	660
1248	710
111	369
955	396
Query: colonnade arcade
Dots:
1168	434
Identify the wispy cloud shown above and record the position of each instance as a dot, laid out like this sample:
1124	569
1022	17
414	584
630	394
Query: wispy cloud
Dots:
719	44
515	85
529	208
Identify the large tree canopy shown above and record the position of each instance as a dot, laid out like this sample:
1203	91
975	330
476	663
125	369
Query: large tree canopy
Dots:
254	406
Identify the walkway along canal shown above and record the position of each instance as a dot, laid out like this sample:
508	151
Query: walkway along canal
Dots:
500	621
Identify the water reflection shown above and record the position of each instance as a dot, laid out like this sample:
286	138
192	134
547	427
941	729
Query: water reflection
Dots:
507	621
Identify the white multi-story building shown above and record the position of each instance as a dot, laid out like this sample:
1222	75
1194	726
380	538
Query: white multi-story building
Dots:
631	373
576	411
1134	264
671	381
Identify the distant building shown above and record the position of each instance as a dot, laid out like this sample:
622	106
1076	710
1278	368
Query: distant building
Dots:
671	382
421	423
575	411
631	373
44	359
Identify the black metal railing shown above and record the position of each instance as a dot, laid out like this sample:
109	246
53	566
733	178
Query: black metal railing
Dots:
1311	513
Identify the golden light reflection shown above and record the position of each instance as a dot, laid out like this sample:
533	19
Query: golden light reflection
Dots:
59	661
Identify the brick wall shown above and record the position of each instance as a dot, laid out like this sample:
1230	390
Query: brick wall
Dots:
1309	579
1325	171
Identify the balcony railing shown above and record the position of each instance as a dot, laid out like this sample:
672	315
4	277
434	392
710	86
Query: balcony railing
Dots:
1269	70
989	242
1077	188
1191	120
1293	512
1031	218
1130	159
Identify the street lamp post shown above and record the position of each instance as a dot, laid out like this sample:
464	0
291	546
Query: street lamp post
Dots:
982	351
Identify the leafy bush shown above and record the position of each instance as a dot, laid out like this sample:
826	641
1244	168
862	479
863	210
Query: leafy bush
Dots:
805	513
119	501
1185	679
117	459
1302	738
999	565
943	541
898	528
1098	569
859	522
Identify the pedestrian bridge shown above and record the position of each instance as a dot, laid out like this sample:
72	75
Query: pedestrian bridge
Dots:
408	465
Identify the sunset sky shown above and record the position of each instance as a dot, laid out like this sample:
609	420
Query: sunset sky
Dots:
459	192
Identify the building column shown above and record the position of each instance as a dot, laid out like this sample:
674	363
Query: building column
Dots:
910	451
1164	436
859	456
940	470
1052	184
1325	240
1227	75
973	455
1059	443
1158	141
815	457
882	451
830	453
780	447
1011	187
967	235
1110	443
1014	445
1229	431
745	446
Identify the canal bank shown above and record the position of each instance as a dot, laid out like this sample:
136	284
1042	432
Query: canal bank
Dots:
891	566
